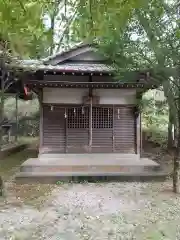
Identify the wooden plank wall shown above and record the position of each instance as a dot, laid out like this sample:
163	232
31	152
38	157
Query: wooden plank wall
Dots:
57	137
53	129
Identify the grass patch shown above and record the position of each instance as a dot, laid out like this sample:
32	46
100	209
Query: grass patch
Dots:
28	140
34	194
10	164
31	194
166	231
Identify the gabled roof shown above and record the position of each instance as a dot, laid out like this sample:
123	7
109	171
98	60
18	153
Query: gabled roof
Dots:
72	52
74	60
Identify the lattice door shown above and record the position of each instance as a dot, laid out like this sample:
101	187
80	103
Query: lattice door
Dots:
77	133
102	129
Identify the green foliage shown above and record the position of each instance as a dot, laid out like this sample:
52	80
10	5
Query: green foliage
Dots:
25	108
22	27
28	115
138	36
155	116
96	19
36	28
133	34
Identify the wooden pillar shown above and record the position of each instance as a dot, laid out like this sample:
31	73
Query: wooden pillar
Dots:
90	115
40	96
66	128
90	125
138	134
139	124
17	123
113	133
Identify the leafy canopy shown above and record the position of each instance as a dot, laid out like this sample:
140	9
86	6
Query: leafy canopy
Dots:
21	26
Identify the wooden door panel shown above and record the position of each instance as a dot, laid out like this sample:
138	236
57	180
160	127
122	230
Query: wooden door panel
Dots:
53	129
124	130
77	131
102	129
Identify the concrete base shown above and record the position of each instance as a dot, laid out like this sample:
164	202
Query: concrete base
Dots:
57	167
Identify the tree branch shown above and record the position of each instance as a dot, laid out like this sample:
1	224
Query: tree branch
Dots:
22	6
67	25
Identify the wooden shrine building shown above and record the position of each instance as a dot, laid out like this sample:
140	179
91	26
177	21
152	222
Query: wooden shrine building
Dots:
83	109
89	122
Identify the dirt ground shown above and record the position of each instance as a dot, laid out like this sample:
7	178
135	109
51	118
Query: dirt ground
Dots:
96	211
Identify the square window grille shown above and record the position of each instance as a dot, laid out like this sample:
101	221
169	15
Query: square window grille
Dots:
102	117
78	117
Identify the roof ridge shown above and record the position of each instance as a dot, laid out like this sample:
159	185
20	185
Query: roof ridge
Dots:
75	47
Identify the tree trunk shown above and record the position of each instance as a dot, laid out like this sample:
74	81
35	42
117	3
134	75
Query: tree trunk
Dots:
1	187
177	150
3	71
170	132
176	164
1	133
52	33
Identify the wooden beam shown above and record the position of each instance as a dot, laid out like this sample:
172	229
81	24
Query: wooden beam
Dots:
116	85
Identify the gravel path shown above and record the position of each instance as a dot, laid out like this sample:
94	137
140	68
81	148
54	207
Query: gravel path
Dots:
95	211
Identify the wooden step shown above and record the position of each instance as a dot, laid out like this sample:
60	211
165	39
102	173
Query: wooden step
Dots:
50	168
85	157
82	163
90	168
57	177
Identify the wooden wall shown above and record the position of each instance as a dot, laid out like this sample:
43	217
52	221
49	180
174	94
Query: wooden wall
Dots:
58	137
75	96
